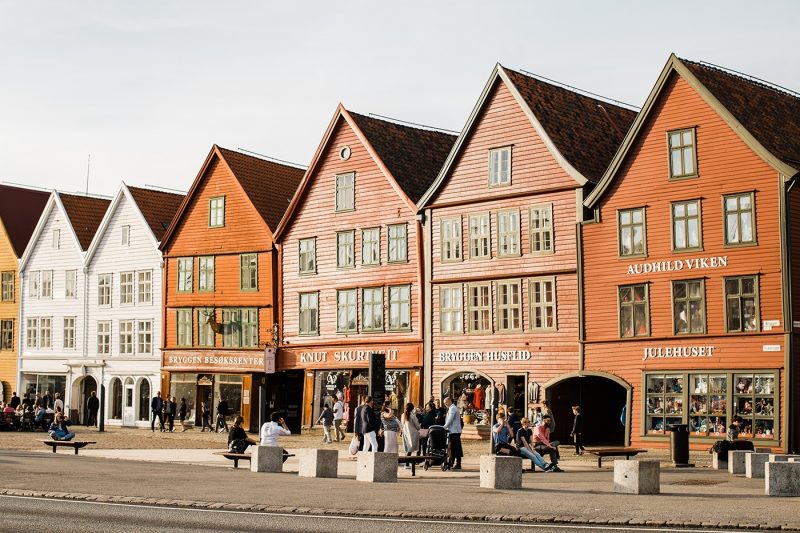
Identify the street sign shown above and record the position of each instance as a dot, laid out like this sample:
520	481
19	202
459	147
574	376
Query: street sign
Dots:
269	360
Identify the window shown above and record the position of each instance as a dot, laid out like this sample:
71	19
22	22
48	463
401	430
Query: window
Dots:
664	402
345	192
480	308
308	256
634	312
104	290
398	244
400	308
509	306
33	285
126	337
345	252
688	302
346	311
508	233
707	404
185	271
71	284
145	333
6	334
126	235
69	332
632	233
541	229
56	239
740	227
231	328
755	400
451	312
543	304
371	246
216	212
372	312
205	334
184	323
205	273
500	167
45	332
7	286
451	239
479	236
309	313
682	161
741	304
145	287
104	337
47	284
249	321
686	231
248	272
126	288
32	332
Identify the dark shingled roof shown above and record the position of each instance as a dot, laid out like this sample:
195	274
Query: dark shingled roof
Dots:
20	210
771	115
585	130
269	185
414	156
157	207
85	214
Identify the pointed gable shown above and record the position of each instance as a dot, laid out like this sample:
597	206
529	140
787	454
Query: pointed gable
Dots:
20	209
157	207
85	214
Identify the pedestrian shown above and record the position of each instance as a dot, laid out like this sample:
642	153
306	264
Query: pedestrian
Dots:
15	401
546	411
411	429
170	406
205	411
338	418
370	424
46	400
238	441
326	417
182	414
222	416
358	428
543	444
428	419
157	407
440	412
58	403
577	430
390	428
525	448
452	424
92	406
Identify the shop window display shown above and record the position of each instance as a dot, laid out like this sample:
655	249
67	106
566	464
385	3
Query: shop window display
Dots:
475	387
708	404
754	402
348	384
664	402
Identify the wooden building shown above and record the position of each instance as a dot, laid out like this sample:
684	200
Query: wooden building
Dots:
220	267
20	209
502	278
691	262
351	250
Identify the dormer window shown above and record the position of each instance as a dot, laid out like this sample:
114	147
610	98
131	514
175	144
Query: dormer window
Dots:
500	167
216	212
345	192
682	154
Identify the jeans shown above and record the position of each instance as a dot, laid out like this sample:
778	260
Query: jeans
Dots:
533	456
552	451
370	442
327	431
157	414
339	433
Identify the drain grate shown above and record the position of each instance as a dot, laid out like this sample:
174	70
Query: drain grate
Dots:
698	482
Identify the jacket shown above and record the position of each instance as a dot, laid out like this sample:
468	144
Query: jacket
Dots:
357	425
369	420
453	421
577	425
156	404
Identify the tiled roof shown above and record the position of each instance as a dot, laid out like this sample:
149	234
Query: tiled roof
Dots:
20	210
269	185
771	115
585	130
85	214
414	156
157	207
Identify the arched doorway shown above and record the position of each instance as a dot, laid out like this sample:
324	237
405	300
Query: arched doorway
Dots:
144	401
604	400
475	385
115	400
81	392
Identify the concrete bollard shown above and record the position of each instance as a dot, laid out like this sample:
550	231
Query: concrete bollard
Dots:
377	467
637	477
736	463
266	459
782	479
754	465
762	449
318	463
501	472
782	457
718	464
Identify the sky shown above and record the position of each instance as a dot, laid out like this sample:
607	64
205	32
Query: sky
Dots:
148	87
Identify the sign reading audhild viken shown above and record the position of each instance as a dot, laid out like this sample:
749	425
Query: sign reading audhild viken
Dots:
676	265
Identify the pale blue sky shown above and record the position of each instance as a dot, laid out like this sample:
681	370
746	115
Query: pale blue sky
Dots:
147	87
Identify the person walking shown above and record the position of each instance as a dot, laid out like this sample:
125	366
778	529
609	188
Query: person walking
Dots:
222	416
411	427
326	417
58	403
156	407
15	401
92	407
338	418
169	410
205	413
391	426
358	427
452	424
577	430
370	423
182	414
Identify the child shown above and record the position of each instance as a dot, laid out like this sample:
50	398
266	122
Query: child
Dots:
577	430
327	423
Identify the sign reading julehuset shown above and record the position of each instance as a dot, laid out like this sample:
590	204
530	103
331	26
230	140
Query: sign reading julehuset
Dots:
698	263
669	352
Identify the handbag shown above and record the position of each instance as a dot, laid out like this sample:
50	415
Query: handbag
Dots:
354	445
423	432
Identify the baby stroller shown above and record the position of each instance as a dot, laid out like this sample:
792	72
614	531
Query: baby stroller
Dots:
437	448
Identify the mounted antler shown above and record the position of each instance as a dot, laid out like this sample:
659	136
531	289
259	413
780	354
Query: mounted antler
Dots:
211	320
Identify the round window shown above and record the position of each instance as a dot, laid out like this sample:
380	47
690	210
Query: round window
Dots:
344	153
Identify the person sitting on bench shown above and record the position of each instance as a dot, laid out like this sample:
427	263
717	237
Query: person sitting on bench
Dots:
543	444
270	431
59	429
524	439
238	441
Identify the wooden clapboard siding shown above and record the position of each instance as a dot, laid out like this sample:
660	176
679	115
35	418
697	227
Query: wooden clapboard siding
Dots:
9	311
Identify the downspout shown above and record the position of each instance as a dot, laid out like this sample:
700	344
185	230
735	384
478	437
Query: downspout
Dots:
427	289
792	430
164	303
419	227
20	321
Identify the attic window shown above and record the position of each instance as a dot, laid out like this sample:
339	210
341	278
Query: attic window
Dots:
682	154
345	192
216	212
56	239
500	167
126	235
344	153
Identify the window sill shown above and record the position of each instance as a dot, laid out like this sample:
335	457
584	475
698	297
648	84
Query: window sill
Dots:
740	245
541	253
397	261
509	256
683	177
688	250
400	330
628	257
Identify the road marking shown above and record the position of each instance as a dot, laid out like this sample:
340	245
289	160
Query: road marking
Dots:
601	527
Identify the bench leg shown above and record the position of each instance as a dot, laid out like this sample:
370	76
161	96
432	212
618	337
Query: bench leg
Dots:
76	450
413	469
599	462
235	462
54	449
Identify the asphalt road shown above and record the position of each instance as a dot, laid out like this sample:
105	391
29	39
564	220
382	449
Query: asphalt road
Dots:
36	514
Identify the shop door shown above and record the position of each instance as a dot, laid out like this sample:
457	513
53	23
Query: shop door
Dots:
88	386
204	394
285	394
128	413
515	393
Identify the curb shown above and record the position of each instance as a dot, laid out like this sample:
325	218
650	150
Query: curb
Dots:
366	513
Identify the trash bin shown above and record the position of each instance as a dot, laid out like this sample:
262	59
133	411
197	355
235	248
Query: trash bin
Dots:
679	445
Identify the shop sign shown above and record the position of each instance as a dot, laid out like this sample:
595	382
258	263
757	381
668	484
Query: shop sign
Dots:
767	325
215	362
269	360
204	380
668	352
487	356
699	263
345	356
771	347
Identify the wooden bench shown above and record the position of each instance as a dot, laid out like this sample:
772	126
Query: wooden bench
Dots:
74	444
614	452
236	457
413	460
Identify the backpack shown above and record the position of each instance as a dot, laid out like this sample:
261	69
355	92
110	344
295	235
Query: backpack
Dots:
237	446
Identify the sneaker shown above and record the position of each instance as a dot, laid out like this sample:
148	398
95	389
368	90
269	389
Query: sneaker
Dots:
556	469
548	467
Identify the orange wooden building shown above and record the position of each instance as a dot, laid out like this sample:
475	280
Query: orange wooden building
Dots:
503	297
351	250
691	261
220	272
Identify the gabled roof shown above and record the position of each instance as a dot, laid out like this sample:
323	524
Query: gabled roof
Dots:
157	207
85	214
20	209
409	157
268	185
582	133
767	119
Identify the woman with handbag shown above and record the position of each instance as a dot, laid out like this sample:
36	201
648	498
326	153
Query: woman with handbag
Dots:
411	427
390	428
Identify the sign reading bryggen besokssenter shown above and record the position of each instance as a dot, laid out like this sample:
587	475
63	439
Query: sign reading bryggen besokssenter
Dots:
217	361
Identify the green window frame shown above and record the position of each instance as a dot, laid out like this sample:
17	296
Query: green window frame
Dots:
682	153
248	317
308	317
634	310
399	307
345	249
632	232
347	311
480	236
372	310
183	323
307	256
206	266
689	307
205	333
541	228
739	219
508	233
687	225
371	246
231	328
216	212
398	243
248	272
741	304
185	274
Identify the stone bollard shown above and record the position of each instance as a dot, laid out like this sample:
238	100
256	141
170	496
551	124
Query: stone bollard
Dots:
637	477
782	457
754	465
266	459
501	472
782	479
736	463
377	467
718	464
318	463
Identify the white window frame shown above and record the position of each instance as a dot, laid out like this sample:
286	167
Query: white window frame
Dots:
206	273
481	308
126	337
397	243
183	327
71	284
47	284
45	332
451	309
145	286
56	239
126	288
451	240
216	212
33	284
371	246
68	337
509	306
185	268
126	235
6	334
508	233
104	337
480	236
8	286
32	332
104	290
541	229
144	332
540	305
499	176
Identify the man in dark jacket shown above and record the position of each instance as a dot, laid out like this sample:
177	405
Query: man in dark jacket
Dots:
357	428
222	416
15	401
92	406
370	423
156	406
